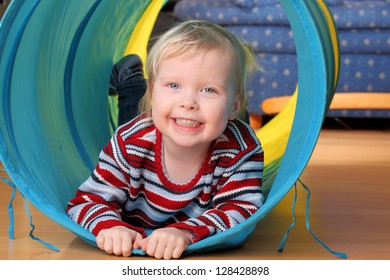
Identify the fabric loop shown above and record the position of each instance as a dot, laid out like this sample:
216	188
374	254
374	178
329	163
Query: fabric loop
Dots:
50	246
283	241
338	254
11	226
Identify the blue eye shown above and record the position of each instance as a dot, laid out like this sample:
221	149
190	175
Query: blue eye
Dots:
208	90
173	85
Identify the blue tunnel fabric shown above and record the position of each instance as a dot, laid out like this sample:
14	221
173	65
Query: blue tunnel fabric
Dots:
55	64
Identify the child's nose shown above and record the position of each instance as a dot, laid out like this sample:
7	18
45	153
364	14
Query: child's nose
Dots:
189	101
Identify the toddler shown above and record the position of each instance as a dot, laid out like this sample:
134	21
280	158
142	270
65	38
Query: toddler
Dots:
186	167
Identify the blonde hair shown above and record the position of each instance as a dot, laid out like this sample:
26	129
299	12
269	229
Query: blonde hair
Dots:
192	37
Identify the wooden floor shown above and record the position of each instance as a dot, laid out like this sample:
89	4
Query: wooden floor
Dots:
350	211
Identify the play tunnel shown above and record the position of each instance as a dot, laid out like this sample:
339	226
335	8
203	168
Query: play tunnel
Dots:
56	116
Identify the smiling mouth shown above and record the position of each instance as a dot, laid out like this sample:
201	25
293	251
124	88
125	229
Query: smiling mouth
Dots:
188	123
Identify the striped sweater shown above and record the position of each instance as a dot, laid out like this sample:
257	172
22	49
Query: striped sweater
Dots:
130	188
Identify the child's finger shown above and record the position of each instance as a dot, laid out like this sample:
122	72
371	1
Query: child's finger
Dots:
100	241
168	252
127	245
160	249
117	245
138	237
178	251
137	244
144	243
149	245
108	244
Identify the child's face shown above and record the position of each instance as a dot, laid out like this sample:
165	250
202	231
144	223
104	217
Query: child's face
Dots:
193	98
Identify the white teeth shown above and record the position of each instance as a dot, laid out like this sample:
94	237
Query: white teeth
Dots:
189	123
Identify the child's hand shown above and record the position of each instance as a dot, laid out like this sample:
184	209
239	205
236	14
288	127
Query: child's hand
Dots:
165	243
117	240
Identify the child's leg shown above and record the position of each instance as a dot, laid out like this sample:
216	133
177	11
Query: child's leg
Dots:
128	82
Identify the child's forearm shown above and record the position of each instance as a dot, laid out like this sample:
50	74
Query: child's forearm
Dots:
96	217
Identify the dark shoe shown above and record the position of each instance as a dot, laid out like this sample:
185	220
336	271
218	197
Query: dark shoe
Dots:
128	82
128	67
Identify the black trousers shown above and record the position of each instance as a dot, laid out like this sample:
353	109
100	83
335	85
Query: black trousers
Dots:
129	94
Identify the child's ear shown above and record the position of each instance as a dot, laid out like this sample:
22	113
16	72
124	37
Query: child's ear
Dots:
235	109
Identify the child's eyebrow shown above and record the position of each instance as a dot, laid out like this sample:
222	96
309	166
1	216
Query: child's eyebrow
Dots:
168	78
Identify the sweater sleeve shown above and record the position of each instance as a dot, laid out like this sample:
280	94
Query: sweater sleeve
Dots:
238	197
98	202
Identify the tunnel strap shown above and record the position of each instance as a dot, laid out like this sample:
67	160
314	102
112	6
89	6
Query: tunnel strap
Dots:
11	216
48	245
292	225
11	227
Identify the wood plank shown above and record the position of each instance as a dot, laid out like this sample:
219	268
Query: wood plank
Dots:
341	101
